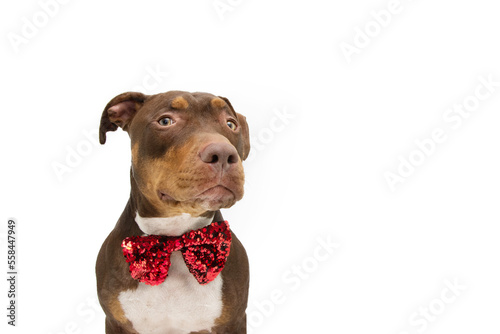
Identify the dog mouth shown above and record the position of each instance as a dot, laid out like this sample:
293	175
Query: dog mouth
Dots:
214	194
165	197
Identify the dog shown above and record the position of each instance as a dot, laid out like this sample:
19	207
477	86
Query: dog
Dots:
171	264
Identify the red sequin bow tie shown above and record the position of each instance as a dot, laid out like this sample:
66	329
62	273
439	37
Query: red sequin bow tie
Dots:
205	252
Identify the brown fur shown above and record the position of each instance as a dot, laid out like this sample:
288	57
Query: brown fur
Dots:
179	103
167	160
217	102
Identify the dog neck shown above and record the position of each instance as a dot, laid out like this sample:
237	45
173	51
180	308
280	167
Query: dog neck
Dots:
172	226
168	221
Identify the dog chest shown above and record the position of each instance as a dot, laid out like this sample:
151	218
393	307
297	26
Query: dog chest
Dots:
178	305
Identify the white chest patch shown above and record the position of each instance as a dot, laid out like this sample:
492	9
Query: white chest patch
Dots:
180	304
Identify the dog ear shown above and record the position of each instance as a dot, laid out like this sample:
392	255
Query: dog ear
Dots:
119	112
245	135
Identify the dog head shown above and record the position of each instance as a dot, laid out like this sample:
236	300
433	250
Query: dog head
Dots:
187	150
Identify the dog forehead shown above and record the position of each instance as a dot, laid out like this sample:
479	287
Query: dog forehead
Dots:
195	111
180	100
198	112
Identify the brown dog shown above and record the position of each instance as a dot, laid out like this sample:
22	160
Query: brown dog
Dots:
187	151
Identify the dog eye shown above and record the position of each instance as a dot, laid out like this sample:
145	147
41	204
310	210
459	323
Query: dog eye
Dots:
166	121
231	125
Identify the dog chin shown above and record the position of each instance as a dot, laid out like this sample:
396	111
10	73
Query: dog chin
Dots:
216	198
211	199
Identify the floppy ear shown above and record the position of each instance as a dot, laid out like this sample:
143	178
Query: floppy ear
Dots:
119	112
245	135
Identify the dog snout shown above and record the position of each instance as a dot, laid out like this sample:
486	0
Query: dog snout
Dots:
219	155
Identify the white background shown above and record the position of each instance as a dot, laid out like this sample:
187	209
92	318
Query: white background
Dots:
317	175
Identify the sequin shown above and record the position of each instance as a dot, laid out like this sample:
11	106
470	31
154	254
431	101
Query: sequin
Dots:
204	251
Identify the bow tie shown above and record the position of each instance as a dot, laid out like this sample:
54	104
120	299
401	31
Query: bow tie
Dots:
204	251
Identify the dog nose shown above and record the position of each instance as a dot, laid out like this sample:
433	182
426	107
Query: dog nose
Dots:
219	155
